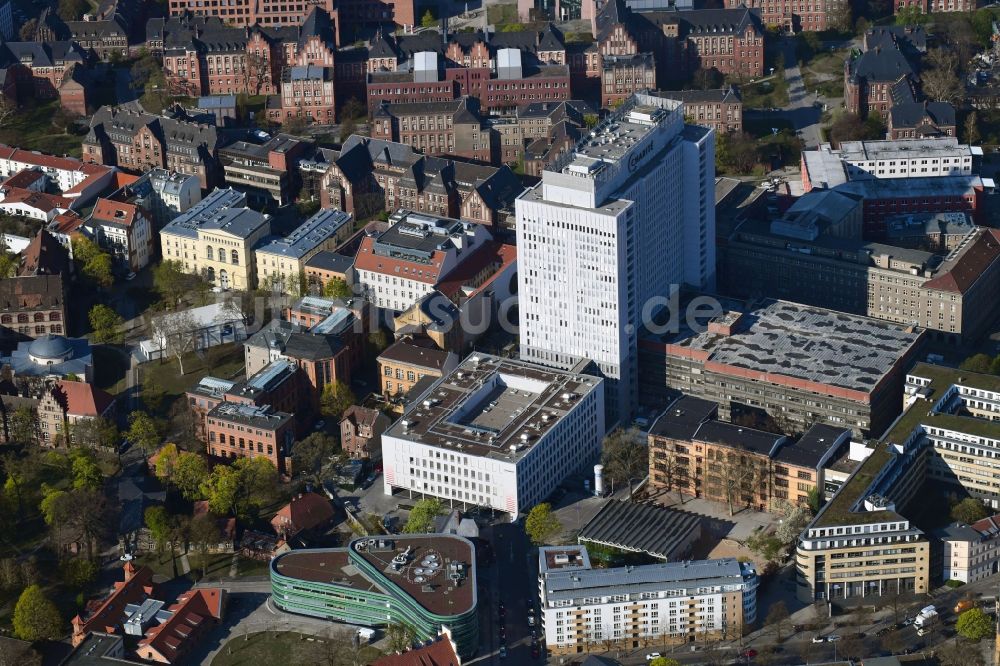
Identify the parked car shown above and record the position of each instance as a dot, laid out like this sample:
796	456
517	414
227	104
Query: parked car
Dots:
653	655
819	639
749	653
503	651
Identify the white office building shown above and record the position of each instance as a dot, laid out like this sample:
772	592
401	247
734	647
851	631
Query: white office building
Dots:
633	606
878	160
495	432
626	217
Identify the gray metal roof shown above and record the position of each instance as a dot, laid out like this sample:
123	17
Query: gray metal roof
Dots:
643	528
680	576
312	233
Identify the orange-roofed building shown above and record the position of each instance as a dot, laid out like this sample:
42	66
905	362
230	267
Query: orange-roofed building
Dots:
68	403
107	615
124	230
79	183
307	511
194	614
441	652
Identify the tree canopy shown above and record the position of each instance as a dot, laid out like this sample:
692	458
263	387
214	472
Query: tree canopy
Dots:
238	489
106	324
308	455
36	618
95	264
969	511
335	399
624	456
143	431
422	516
541	524
974	624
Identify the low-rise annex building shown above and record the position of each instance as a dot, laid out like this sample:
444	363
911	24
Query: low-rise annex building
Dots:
424	581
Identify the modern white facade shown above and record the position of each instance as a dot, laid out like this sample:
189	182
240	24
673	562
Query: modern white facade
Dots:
613	228
901	158
629	607
495	432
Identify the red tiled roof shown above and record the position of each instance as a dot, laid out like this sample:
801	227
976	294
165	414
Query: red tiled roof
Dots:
82	399
115	212
40	200
66	223
107	615
24	178
45	255
121	179
970	265
40	159
439	653
304	512
190	612
367	260
361	415
493	255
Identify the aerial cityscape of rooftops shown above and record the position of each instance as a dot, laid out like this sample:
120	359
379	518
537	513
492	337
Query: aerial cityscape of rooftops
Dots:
411	333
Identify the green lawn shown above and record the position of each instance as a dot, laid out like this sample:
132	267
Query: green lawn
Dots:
224	361
273	647
218	565
499	15
764	94
31	128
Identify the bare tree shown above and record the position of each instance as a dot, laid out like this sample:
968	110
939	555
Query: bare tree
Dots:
739	477
625	456
177	334
941	81
256	73
674	469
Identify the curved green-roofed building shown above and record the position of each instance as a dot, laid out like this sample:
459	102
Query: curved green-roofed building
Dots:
424	581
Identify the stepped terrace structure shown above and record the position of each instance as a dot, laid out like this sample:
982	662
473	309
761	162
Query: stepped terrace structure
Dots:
425	581
949	434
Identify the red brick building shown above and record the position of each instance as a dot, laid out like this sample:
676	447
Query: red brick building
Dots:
204	56
436	128
307	91
792	16
236	431
622	76
728	40
882	76
251	12
919	120
369	175
136	141
361	431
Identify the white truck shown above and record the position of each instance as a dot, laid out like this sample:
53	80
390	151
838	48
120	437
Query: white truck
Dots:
925	620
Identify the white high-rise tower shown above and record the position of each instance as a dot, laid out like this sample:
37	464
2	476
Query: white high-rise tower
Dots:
627	216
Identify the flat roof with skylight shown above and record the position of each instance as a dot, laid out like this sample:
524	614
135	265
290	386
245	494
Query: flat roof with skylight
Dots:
492	406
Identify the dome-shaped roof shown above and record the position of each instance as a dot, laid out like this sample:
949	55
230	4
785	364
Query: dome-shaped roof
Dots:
50	347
